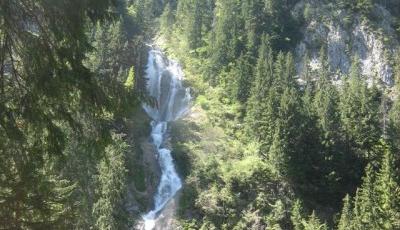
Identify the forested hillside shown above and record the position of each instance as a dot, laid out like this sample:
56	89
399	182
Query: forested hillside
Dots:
304	143
294	124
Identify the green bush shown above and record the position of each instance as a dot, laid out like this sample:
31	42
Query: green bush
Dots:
203	102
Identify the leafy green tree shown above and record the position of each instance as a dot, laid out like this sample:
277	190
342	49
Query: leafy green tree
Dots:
364	6
46	90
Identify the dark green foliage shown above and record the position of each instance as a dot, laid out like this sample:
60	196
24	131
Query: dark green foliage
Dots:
394	113
376	204
111	180
62	95
301	223
360	6
242	78
229	29
192	16
359	114
167	20
256	119
225	37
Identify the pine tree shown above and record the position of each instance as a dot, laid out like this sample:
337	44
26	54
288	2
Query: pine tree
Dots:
296	216
345	222
290	71
326	108
252	15
301	223
277	155
225	42
260	109
282	27
167	20
359	114
394	114
49	96
387	191
376	204
314	223
190	17
280	79
112	181
365	209
244	78
130	80
308	86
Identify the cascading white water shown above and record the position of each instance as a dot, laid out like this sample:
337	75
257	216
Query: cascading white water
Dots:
165	85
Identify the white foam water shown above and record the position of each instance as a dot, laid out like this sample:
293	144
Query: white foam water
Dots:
165	86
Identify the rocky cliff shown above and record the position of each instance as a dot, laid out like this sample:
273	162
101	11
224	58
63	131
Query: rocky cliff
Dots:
346	35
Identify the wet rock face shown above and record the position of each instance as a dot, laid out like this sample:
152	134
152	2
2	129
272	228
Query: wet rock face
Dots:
362	38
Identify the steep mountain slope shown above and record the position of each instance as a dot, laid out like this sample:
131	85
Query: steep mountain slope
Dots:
345	35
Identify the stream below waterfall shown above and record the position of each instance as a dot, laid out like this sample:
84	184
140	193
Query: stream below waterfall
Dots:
165	86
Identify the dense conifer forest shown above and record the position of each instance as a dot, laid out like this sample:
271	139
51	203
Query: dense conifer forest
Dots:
277	136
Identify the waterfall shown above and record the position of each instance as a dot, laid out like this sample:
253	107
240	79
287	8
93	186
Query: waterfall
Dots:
165	85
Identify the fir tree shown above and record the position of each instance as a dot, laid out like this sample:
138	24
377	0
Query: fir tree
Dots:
359	114
225	35
167	20
244	78
345	222
387	191
313	223
112	181
259	108
277	155
190	16
394	114
365	209
296	216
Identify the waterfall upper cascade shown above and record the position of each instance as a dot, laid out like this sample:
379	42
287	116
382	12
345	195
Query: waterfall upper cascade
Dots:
165	85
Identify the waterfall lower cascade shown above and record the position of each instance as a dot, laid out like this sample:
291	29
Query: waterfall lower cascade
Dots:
165	85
